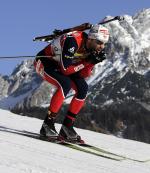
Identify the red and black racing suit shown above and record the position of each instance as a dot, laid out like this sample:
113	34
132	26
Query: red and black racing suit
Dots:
63	65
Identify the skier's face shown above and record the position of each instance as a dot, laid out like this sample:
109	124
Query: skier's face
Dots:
95	45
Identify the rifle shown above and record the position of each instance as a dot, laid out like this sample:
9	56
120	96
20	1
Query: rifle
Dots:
82	27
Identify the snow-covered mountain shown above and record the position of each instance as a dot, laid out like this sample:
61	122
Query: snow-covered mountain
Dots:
119	87
20	154
122	90
23	87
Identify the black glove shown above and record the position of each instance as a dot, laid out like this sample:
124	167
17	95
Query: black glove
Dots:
95	57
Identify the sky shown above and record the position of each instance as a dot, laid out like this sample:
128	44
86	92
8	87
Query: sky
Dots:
21	21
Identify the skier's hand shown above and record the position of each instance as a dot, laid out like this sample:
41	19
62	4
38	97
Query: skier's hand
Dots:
95	57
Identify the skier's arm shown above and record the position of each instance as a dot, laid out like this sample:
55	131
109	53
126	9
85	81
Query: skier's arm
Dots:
47	51
69	49
87	71
92	59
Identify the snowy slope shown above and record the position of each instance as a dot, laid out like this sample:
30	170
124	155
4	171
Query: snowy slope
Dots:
20	154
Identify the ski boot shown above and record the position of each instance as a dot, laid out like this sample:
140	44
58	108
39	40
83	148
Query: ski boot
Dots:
69	134
48	127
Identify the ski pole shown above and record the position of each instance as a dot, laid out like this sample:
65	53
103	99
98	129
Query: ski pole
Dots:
17	57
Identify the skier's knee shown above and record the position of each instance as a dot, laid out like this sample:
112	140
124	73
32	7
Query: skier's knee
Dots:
82	91
66	86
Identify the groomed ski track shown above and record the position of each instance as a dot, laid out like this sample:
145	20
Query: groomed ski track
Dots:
20	154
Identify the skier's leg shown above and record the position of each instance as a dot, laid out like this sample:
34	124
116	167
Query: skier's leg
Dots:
76	104
62	83
80	86
63	86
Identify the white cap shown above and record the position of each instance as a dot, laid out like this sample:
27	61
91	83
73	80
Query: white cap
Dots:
99	32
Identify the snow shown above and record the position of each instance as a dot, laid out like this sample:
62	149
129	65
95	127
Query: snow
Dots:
123	90
108	102
20	154
10	101
119	64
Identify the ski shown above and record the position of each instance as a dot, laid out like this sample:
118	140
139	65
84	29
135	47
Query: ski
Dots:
82	149
94	152
55	141
87	148
78	147
112	153
100	150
